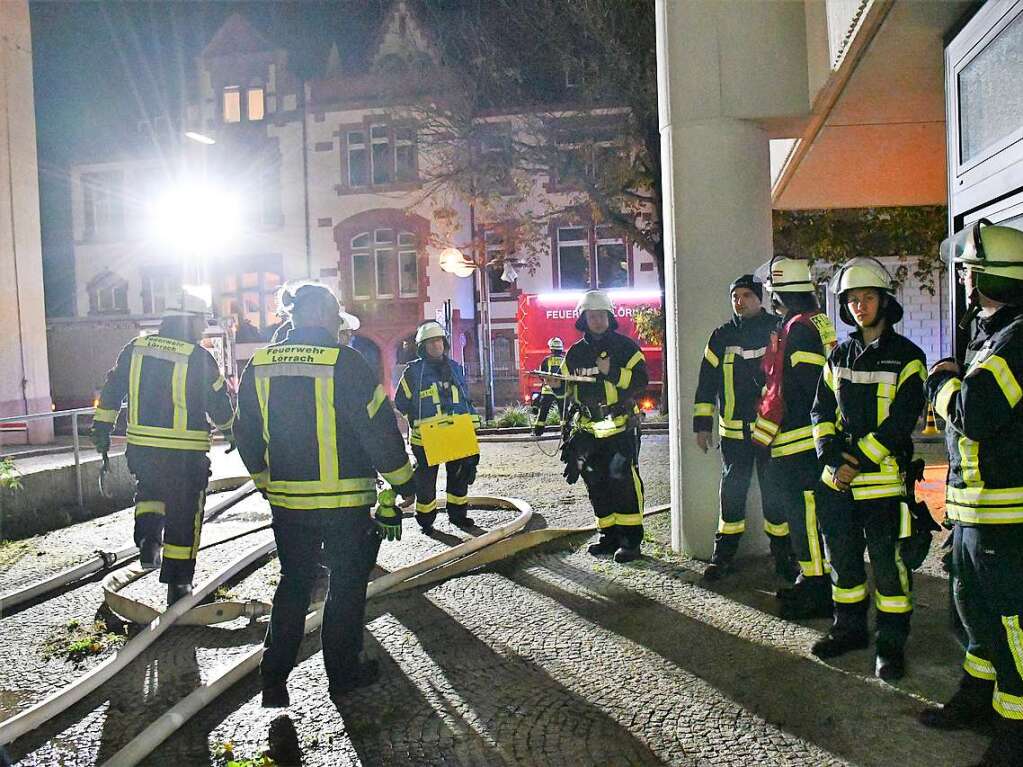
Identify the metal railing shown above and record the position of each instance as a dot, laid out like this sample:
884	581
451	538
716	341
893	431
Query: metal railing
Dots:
75	442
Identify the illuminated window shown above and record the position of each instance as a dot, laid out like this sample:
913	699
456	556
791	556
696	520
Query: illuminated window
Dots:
251	297
232	104
255	103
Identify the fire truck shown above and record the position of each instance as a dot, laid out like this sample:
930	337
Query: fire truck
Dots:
545	315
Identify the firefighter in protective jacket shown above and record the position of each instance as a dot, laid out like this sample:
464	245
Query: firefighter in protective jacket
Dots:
793	363
868	402
984	495
553	391
604	443
731	378
432	387
172	385
314	430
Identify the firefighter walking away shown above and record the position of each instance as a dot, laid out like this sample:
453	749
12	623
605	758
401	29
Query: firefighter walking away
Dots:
314	430
603	446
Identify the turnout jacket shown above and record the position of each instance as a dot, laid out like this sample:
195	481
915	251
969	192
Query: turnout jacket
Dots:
171	387
868	402
554	363
731	375
984	425
314	427
431	389
612	395
792	365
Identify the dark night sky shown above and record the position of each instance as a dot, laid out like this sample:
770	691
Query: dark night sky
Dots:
101	67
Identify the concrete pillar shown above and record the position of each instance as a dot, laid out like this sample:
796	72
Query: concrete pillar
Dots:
716	185
24	376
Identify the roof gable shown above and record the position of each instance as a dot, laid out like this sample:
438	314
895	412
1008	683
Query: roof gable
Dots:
237	36
402	35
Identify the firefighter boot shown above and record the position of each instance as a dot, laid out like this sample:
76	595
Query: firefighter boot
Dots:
1006	748
276	697
721	563
968	708
890	664
627	553
176	591
785	565
848	633
605	547
150	554
809	598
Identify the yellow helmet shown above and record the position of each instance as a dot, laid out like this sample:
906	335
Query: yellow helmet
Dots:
787	275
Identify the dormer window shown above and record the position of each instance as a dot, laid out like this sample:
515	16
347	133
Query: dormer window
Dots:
252	108
256	104
232	104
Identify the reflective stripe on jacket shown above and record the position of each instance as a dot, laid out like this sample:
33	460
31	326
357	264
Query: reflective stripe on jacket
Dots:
171	386
731	375
868	402
429	390
984	425
314	427
555	363
606	404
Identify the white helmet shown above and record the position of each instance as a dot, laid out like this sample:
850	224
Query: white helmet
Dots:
594	300
787	275
865	272
349	321
192	301
430	329
556	344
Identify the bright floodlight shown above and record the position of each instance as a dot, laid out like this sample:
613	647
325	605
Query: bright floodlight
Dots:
454	261
196	218
200	138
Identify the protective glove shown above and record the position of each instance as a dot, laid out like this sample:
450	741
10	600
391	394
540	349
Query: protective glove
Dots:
101	436
388	516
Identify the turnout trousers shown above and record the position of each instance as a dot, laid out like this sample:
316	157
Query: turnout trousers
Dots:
850	528
738	458
791	480
988	563
611	474
345	541
170	498
426	489
544	405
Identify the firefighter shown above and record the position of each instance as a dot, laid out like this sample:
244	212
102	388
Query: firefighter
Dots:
349	324
172	384
792	364
604	442
314	430
553	391
433	386
868	402
731	378
984	495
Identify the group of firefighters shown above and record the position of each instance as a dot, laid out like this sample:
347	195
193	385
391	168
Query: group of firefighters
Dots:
827	425
829	428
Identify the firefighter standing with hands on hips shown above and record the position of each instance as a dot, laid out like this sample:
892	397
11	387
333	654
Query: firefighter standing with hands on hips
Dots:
868	402
432	388
604	444
553	390
314	430
172	385
731	378
984	494
793	363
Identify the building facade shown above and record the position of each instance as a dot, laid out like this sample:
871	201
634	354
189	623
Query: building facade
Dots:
323	179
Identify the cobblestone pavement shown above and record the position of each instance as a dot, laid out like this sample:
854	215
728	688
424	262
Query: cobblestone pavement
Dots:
550	658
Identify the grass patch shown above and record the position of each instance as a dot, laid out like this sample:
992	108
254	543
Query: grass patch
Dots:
12	551
223	594
225	756
78	641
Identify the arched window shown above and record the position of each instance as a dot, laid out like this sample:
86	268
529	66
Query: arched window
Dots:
385	264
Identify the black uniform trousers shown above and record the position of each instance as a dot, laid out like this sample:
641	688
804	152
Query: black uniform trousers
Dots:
346	542
544	405
738	458
425	477
850	528
611	474
791	480
170	498
988	564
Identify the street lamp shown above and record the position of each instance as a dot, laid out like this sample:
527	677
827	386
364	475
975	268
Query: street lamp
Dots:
455	262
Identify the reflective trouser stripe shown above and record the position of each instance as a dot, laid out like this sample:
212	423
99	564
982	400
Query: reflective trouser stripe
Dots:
426	508
457	499
731	528
170	551
1015	639
628	519
607	521
895	604
1008	706
849	596
776	530
816	564
978	667
150	507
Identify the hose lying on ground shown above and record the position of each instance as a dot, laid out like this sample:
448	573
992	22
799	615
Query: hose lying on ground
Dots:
105	560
